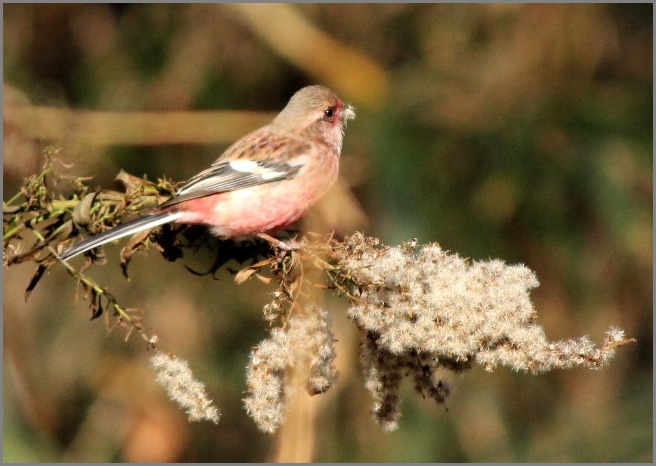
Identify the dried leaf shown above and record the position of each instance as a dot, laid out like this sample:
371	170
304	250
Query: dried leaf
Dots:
40	270
244	274
130	181
82	211
65	231
133	245
10	209
96	310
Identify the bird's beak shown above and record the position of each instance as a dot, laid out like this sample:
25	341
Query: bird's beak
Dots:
347	113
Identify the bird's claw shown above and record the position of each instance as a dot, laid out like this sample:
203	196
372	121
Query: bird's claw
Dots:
286	246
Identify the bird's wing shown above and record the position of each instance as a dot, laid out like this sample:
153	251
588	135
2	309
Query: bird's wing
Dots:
240	167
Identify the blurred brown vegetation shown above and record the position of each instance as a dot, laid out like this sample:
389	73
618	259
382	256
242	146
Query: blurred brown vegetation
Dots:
522	132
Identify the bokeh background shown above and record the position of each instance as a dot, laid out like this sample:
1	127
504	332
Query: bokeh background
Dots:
522	132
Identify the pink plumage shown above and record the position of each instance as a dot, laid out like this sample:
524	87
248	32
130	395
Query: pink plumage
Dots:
263	182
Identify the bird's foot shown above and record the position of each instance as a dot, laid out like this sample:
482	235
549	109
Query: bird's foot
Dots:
290	245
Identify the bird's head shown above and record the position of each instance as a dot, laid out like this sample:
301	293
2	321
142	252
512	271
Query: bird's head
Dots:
317	113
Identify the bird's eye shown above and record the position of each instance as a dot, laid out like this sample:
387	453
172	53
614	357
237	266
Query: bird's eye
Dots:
329	113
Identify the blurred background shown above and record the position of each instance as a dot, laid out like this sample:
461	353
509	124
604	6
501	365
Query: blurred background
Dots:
520	132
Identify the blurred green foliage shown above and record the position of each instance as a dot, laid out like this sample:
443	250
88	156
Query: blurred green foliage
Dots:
522	132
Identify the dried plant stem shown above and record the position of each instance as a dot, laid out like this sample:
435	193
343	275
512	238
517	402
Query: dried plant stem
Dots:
421	310
120	311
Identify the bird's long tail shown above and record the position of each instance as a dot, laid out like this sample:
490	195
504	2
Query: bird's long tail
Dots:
135	226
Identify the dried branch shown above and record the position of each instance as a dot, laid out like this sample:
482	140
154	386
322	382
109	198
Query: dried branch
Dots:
420	309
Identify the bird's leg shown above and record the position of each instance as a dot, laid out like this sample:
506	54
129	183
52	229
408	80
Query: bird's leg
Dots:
290	245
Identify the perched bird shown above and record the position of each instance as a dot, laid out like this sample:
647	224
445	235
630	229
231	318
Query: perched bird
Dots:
263	182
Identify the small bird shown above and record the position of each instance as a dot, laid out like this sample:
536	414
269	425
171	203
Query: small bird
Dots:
263	182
